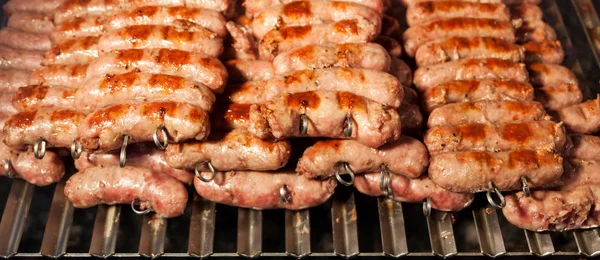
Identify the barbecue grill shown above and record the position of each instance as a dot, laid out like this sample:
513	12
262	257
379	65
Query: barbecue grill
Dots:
39	221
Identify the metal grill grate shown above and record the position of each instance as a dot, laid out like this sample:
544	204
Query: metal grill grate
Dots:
349	224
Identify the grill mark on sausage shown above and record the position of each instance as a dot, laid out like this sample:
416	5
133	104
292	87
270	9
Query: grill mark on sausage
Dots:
349	101
524	159
475	132
237	113
297	10
63	115
25	119
305	100
519	132
346	26
28	93
295	32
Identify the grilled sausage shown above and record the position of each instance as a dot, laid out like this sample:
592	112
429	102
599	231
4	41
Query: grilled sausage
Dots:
579	172
169	15
6	107
45	7
582	118
236	150
414	191
71	76
521	2
472	171
72	9
541	135
550	74
324	158
20	59
391	45
192	39
142	156
326	113
426	12
11	80
243	45
249	70
555	97
77	28
411	118
544	52
275	42
413	2
237	116
57	127
261	190
457	48
416	36
134	87
74	51
403	73
114	185
193	66
375	85
31	22
526	13
103	130
24	165
584	147
469	69
364	56
16	39
34	97
255	7
476	90
535	31
300	13
482	112
560	210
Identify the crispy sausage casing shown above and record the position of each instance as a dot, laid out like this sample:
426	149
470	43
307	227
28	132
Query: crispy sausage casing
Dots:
17	39
261	190
323	158
582	118
73	51
34	97
425	12
20	59
493	112
11	80
104	129
456	48
71	76
31	22
114	185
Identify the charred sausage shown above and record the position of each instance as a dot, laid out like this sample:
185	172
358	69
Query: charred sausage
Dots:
491	112
457	48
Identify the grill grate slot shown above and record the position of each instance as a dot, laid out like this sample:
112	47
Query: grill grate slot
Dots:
60	218
488	232
588	242
297	233
393	233
249	241
202	227
345	230
152	241
14	216
441	233
106	226
540	243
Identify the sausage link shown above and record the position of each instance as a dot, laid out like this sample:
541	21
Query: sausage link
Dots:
550	74
237	116
482	112
426	12
469	69
391	45
115	185
11	80
541	135
414	191
78	28
39	172
409	3
555	97
45	7
31	22
108	90
20	59
72	9
416	36
103	130
584	147
476	90
255	7
74	51
582	118
544	52
249	70
236	150
535	31
261	190
34	97
403	73
526	13
7	109
71	76
521	2
243	45
472	171
457	48
17	39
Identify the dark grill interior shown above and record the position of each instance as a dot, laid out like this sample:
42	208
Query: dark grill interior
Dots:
39	222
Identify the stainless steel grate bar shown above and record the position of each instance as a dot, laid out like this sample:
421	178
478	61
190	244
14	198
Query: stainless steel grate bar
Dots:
297	233
14	216
588	241
540	243
488	232
345	230
391	223
202	227
249	240
106	228
441	234
60	218
152	240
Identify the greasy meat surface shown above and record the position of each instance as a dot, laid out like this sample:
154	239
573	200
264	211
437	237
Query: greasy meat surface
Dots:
249	70
311	12
414	191
189	38
372	123
544	52
469	69
543	135
34	97
7	109
261	190
375	85
11	80
31	22
416	36
583	147
169	15
114	185
357	30
71	76
57	127
350	55
73	51
193	66
24	165
255	7
456	48
237	116
550	74
403	73
535	31
132	87
46	7
555	97
482	112
472	171
78	27
324	158
426	12
20	59
14	38
582	118
236	150
476	90
103	130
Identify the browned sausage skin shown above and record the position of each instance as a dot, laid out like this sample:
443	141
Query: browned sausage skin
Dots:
582	118
583	147
115	185
425	12
232	188
73	51
24	165
71	76
33	97
544	52
77	28
492	112
11	80
456	48
17	39
31	22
